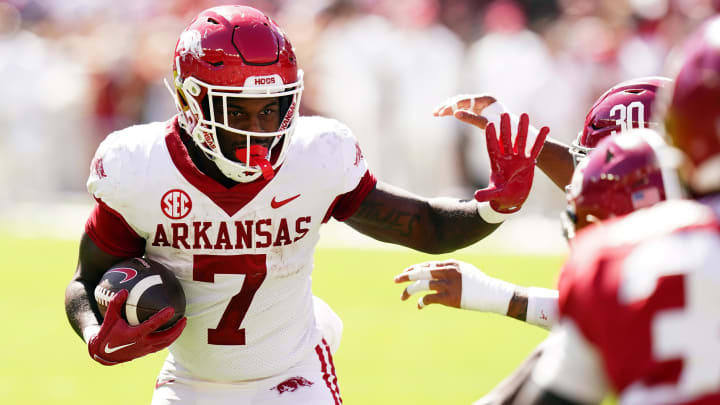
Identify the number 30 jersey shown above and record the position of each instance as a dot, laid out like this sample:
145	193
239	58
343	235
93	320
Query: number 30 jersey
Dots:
640	294
243	255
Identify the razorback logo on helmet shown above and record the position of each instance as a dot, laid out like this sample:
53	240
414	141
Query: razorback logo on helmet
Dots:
291	385
190	42
175	204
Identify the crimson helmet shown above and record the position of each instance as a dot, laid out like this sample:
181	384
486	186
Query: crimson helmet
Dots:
235	52
621	175
625	106
692	120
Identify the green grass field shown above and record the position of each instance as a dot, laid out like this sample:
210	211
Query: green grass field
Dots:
391	353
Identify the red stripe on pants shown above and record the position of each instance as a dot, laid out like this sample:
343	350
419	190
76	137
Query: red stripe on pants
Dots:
328	373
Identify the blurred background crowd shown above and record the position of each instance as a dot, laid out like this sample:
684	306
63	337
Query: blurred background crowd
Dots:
75	70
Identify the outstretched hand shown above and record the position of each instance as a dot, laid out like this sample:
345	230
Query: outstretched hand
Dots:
456	284
467	108
511	166
118	342
441	277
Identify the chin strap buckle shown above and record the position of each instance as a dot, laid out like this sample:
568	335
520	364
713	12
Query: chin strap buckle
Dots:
258	154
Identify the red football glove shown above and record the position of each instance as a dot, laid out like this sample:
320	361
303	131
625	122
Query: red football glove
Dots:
511	171
117	342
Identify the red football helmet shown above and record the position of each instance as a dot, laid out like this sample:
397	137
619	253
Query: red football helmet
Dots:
625	106
236	52
693	115
620	175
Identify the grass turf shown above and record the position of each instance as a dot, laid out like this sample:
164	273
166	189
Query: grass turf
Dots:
390	351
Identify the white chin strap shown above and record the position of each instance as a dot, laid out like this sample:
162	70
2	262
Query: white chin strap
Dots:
231	171
237	172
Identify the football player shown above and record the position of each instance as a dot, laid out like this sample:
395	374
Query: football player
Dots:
230	194
638	296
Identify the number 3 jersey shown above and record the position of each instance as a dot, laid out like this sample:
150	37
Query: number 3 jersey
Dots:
243	255
640	310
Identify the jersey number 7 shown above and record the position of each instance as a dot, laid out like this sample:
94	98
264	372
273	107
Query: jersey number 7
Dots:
205	267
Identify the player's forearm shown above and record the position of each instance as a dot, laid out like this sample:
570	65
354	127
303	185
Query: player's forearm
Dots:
556	162
455	224
437	225
534	305
79	306
433	228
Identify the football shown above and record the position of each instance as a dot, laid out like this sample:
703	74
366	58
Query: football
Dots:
151	287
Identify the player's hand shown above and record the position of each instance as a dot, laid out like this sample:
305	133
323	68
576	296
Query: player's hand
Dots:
456	284
467	108
511	166
118	342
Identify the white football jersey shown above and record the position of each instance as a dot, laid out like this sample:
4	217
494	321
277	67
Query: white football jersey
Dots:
243	255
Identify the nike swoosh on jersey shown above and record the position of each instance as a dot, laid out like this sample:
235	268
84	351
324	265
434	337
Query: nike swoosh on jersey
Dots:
277	204
109	349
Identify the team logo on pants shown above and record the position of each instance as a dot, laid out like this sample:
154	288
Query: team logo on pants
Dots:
292	384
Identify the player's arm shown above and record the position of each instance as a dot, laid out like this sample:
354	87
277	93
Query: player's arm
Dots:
556	162
440	225
461	285
111	340
435	225
80	305
554	159
569	371
551	375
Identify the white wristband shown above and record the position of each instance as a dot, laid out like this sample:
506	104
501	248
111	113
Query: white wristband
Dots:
489	215
484	293
493	112
89	332
542	307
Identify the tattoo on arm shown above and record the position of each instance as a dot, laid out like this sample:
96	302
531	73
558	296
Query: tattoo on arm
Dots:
395	220
437	225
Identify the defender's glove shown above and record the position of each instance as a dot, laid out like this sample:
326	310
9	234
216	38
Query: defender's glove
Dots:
458	284
117	342
511	166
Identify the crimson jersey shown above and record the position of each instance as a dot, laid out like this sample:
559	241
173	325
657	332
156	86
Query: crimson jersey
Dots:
243	255
643	292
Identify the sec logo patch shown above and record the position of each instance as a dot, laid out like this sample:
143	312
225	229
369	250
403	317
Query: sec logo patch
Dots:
175	204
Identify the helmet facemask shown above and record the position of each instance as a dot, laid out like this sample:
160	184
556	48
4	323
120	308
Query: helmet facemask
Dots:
204	120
